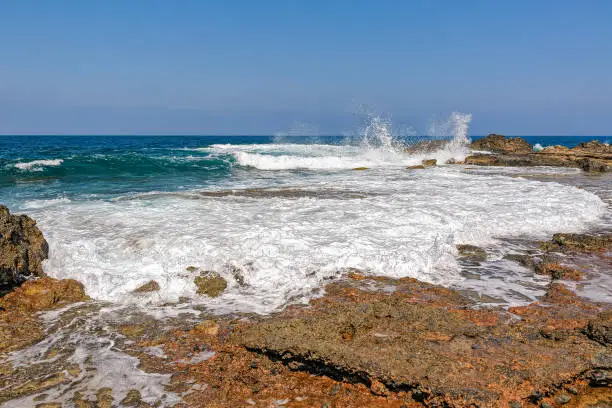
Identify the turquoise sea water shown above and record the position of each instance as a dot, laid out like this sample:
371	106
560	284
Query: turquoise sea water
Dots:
47	167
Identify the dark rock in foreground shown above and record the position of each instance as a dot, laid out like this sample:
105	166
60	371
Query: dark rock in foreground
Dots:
22	249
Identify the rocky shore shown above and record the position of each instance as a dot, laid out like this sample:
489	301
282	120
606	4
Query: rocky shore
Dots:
592	156
367	342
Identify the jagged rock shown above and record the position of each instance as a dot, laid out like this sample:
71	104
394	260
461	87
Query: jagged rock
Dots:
151	286
210	284
501	144
22	249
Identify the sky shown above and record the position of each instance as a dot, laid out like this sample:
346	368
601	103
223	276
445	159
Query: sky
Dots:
521	67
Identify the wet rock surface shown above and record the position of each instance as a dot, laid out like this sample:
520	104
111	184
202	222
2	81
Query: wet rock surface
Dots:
19	325
591	157
22	249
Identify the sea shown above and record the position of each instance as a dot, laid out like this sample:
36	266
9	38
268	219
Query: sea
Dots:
278	217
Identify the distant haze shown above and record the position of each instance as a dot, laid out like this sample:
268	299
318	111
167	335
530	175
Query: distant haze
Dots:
285	67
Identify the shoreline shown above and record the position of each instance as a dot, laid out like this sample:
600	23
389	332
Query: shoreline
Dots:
368	341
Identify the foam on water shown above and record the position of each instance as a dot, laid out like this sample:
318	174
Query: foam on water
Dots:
407	224
37	165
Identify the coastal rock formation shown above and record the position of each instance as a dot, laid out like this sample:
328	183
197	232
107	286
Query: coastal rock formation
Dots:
501	144
22	249
18	323
426	343
592	156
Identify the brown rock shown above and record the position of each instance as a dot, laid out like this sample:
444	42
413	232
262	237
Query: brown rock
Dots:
501	144
583	242
210	284
600	329
22	249
430	162
151	286
44	293
417	167
361	168
557	271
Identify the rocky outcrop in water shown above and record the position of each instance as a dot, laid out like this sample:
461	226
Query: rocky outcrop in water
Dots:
501	144
592	156
22	249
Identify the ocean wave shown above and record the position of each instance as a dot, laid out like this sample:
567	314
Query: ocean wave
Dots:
38	165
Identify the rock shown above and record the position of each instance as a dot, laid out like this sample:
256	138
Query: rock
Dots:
22	249
207	327
546	405
426	146
515	404
429	162
600	329
583	242
43	294
501	144
418	337
151	286
592	156
361	168
472	252
210	284
132	399
417	167
556	271
563	399
594	165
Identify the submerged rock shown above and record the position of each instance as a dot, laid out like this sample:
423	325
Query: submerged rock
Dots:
417	167
501	144
22	249
210	284
361	168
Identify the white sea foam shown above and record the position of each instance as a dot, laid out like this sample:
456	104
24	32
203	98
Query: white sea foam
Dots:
38	165
537	147
407	225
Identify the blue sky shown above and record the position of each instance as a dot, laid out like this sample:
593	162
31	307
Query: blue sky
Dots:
257	67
